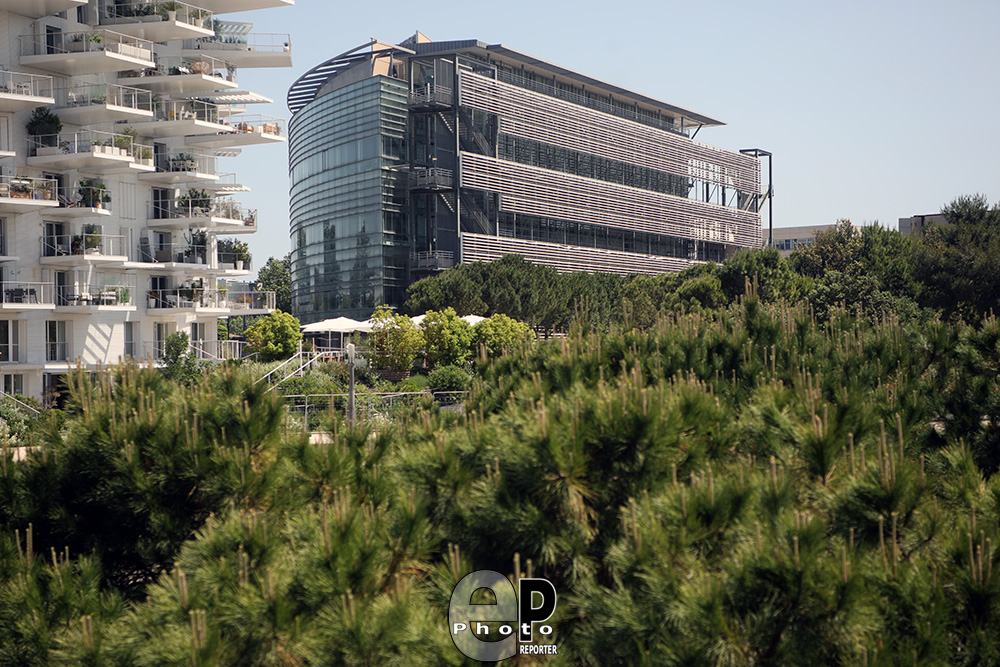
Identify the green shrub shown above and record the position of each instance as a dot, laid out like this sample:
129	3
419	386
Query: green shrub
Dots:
448	378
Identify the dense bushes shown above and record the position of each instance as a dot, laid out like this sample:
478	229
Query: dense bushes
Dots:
742	486
951	271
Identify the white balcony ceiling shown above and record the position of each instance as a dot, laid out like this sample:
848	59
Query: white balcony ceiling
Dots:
39	8
158	31
14	102
229	6
243	57
86	62
91	114
178	84
234	139
178	128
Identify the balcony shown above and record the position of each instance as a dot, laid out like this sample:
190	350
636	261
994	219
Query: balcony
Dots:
170	302
178	167
225	185
252	303
27	296
431	180
89	200
431	261
244	130
89	52
21	194
179	118
430	96
103	103
36	9
203	213
20	92
83	298
83	249
156	20
89	150
174	255
184	76
229	6
235	43
233	263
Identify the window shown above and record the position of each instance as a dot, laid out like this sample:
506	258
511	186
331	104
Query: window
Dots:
130	339
13	383
161	334
55	341
9	344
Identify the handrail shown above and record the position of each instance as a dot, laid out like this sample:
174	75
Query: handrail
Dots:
19	403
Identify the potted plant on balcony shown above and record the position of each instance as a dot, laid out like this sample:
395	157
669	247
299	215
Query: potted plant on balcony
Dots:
20	189
45	188
183	162
123	294
92	239
44	125
93	194
195	202
241	253
168	10
125	141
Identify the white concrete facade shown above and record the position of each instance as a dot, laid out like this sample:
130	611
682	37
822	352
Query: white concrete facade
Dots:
116	231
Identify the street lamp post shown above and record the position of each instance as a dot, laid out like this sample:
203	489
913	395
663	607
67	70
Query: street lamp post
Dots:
350	388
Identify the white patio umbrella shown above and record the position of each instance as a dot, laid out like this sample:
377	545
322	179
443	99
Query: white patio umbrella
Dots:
339	325
473	320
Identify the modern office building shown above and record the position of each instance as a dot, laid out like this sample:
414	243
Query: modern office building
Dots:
115	217
787	239
916	225
407	159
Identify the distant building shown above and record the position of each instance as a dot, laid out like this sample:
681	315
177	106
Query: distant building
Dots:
917	224
787	239
408	159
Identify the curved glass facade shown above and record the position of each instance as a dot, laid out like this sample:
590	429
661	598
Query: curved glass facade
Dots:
348	200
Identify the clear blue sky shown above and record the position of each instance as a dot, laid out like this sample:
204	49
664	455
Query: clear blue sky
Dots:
874	110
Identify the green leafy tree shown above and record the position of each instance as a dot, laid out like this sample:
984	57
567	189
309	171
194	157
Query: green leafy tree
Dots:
958	264
276	336
395	340
276	276
447	338
498	333
178	361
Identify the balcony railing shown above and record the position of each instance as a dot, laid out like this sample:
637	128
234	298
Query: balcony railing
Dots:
188	110
432	260
26	293
203	208
257	124
432	178
187	161
252	301
26	187
29	85
88	41
95	295
186	297
251	42
85	196
135	11
233	260
181	253
83	244
432	95
105	93
180	66
90	141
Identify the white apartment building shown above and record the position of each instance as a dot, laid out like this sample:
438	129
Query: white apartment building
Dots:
118	228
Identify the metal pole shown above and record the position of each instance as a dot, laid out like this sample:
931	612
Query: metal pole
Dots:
350	389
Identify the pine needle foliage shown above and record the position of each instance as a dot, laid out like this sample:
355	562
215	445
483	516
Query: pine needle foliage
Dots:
750	485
